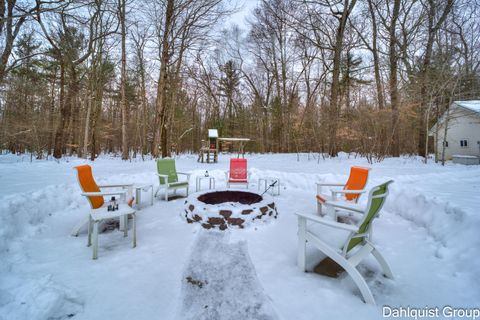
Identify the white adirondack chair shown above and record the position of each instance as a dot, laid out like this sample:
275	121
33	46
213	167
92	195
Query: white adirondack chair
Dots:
357	245
238	173
343	193
168	177
99	210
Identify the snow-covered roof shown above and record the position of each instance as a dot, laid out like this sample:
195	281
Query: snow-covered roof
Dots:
212	133
470	105
473	105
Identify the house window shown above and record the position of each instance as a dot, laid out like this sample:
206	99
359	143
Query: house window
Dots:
445	143
464	143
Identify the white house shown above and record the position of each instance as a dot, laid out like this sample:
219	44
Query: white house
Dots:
463	130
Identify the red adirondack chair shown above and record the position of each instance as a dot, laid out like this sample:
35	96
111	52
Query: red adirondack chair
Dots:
238	174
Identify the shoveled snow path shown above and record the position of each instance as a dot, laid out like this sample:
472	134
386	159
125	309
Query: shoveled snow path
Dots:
220	283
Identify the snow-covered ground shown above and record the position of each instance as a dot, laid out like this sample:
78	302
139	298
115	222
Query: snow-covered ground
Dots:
428	231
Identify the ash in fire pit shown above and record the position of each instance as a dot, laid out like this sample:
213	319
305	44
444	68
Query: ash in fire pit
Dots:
226	208
230	196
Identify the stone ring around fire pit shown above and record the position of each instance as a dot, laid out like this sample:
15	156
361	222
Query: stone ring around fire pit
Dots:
224	209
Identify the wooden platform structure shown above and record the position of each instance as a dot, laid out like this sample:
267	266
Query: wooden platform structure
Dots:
230	141
209	150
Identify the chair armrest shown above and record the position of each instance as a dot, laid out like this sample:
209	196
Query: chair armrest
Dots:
185	174
338	190
346	206
164	176
328	223
104	193
321	184
115	185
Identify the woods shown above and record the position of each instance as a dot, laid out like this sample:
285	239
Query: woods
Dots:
139	78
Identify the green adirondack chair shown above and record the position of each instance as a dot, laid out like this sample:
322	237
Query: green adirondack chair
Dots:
357	246
168	177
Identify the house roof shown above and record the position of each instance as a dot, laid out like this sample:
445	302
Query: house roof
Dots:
473	105
470	105
212	133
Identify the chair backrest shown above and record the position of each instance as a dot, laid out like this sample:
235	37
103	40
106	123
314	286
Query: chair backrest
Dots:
88	184
167	167
238	169
376	200
356	181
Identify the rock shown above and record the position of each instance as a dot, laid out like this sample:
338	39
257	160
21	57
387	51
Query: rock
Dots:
207	226
235	221
225	213
215	220
263	210
247	211
197	218
223	227
272	205
191	207
189	220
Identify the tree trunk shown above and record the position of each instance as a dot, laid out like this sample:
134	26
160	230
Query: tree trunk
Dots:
424	73
334	108
123	102
64	118
376	59
161	108
393	85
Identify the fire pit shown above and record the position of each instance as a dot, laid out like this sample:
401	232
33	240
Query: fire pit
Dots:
224	209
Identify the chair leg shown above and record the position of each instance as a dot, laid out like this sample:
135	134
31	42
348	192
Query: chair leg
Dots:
383	263
331	212
122	224
95	240
361	284
166	194
348	267
89	243
302	244
125	224
319	208
78	227
134	226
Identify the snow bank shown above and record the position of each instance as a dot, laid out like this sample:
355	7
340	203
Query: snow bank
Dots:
455	230
42	298
23	213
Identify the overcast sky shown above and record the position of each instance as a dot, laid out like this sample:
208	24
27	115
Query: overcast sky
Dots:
246	7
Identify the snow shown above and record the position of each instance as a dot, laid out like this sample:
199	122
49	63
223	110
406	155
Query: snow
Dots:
220	282
428	231
473	105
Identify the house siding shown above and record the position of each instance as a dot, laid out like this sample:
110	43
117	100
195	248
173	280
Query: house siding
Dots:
462	125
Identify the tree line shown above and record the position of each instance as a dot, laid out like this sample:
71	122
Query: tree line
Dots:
128	77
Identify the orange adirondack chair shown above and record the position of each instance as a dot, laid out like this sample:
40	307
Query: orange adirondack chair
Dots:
238	174
99	210
350	191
